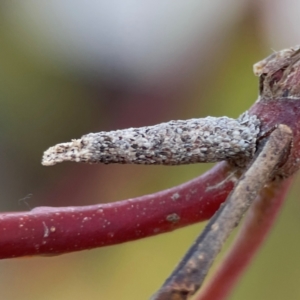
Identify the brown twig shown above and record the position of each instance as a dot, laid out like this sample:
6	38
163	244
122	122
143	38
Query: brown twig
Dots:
257	224
190	273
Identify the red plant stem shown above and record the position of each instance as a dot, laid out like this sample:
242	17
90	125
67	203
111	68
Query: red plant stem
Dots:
256	226
47	230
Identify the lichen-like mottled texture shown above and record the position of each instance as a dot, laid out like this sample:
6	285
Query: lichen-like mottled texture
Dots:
176	142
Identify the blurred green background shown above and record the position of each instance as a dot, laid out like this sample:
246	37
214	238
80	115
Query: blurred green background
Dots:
71	67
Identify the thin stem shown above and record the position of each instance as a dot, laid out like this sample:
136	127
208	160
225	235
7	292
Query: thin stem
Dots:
256	226
190	274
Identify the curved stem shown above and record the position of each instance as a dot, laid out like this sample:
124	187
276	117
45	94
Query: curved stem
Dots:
48	230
